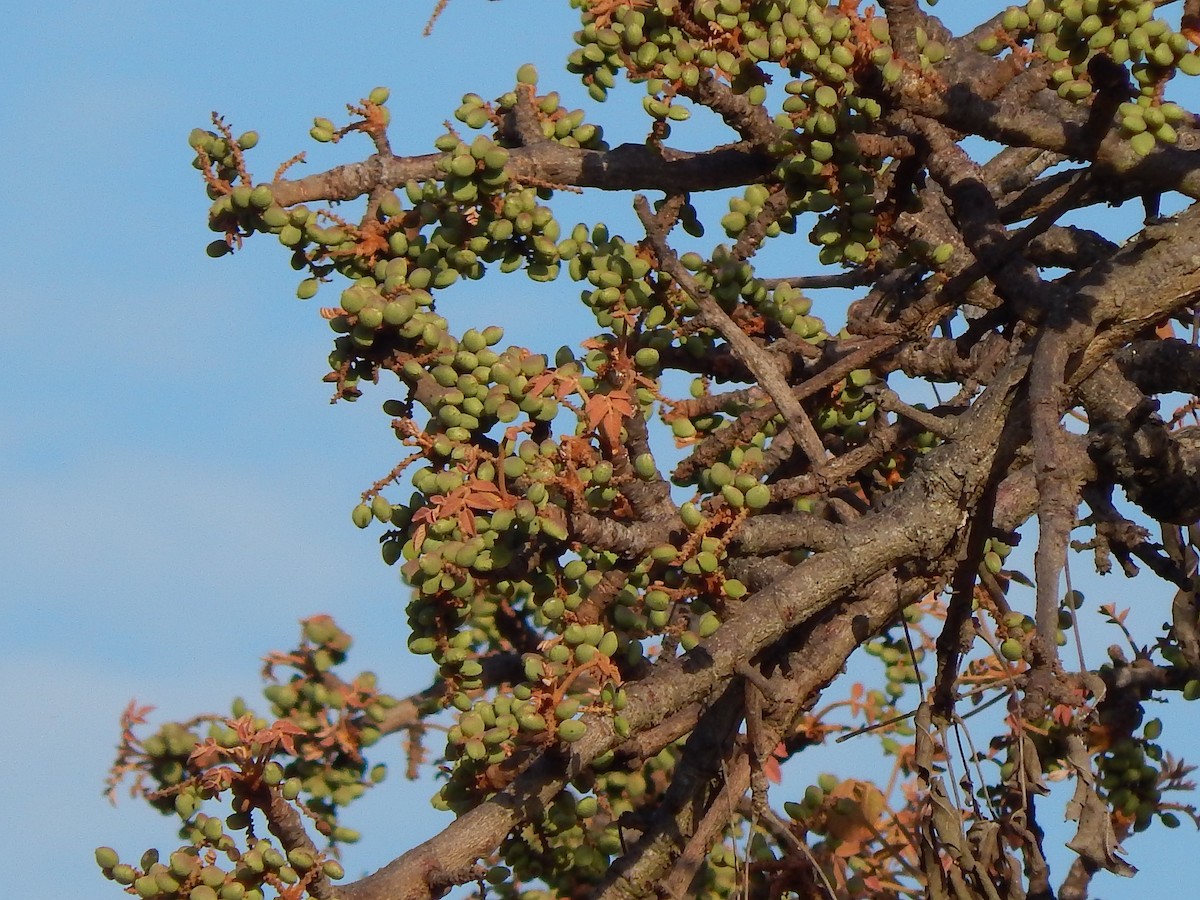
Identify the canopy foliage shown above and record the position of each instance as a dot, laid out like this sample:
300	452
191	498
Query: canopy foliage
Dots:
642	563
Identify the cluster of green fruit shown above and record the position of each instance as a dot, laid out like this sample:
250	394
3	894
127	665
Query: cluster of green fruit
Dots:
329	777
851	410
309	700
846	233
901	662
823	171
323	130
165	760
239	209
1016	629
821	165
459	574
448	231
814	798
506	541
1070	33
566	127
735	480
569	839
600	54
731	281
452	614
681	46
822	811
822	168
386	313
190	873
995	552
1130	778
451	627
620	283
467	387
723	872
578	835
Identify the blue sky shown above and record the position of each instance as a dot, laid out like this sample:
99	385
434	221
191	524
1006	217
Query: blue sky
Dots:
174	487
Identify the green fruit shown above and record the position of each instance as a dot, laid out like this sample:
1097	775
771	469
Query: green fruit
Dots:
241	196
566	709
571	730
182	864
1166	133
644	465
734	223
708	624
198	138
1189	64
527	74
532	722
646	358
275	217
1132	121
333	869
1013	620
361	515
733	496
381	509
301	859
720	474
400	311
289	236
1012	649
272	773
758	496
608	643
106	857
370	317
657	600
1142	144
261	197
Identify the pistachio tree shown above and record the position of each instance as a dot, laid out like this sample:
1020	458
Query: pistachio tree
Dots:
641	563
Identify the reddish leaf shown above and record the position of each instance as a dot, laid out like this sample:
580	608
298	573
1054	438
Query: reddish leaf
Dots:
205	754
607	412
772	770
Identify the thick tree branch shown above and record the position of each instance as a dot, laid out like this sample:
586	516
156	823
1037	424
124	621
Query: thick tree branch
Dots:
629	167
